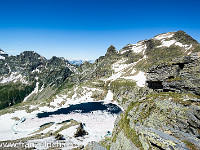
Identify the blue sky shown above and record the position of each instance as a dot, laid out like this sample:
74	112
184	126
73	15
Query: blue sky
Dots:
86	28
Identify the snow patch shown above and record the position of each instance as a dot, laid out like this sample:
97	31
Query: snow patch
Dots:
136	48
109	97
164	36
180	44
36	70
139	47
96	123
1	57
2	52
14	77
72	68
140	78
6	122
58	100
167	43
121	69
35	91
118	66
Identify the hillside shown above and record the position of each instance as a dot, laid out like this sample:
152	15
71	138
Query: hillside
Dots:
154	82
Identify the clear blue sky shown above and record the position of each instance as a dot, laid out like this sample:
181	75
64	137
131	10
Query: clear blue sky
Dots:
86	28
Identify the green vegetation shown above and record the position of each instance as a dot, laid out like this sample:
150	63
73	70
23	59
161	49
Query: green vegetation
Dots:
151	44
130	133
106	142
174	79
122	83
66	126
190	145
176	97
158	55
196	48
184	38
132	57
14	93
163	54
143	65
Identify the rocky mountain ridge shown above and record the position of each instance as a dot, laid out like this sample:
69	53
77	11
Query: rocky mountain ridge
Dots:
155	81
29	69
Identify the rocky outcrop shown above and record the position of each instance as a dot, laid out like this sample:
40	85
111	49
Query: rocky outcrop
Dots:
80	131
59	137
181	75
94	146
165	116
24	71
163	120
111	51
123	143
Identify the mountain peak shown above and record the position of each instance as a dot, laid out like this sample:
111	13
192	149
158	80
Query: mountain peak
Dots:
183	37
179	39
164	36
2	54
111	51
31	55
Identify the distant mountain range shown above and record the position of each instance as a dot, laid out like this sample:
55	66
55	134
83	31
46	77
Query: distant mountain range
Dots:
80	61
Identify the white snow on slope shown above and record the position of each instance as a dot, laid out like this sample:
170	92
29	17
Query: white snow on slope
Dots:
72	68
97	124
140	78
109	97
36	70
119	65
136	48
84	96
35	91
171	42
139	47
58	100
167	43
14	77
180	44
6	123
121	69
164	36
2	52
1	57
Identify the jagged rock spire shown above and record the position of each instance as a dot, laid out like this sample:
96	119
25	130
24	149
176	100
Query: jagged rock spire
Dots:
111	51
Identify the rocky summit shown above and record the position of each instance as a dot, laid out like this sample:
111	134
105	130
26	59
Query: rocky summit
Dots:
155	83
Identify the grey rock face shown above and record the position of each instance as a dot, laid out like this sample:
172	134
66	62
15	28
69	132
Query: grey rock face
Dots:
94	146
180	75
34	69
122	143
160	139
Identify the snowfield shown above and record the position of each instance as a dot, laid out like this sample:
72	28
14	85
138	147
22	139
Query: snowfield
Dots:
140	78
14	77
164	36
120	68
136	48
6	123
1	57
96	123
